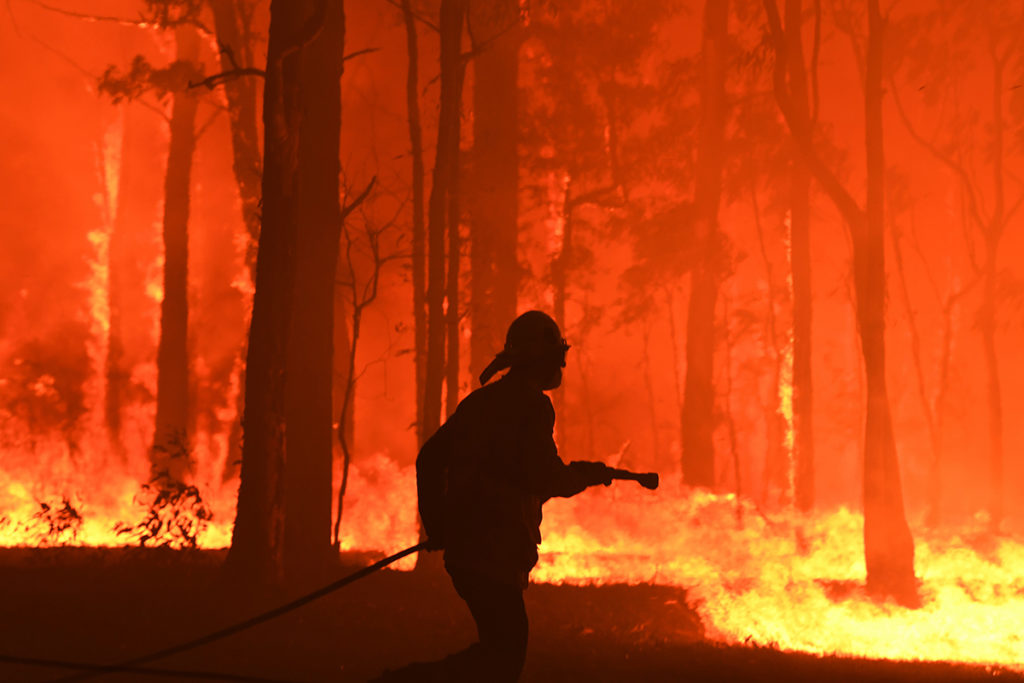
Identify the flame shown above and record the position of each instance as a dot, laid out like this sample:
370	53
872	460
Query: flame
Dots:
793	582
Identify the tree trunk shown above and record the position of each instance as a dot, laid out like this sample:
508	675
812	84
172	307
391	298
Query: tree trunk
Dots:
993	390
452	12
494	205
127	336
888	545
993	235
232	29
776	463
258	536
419	261
232	34
698	397
800	236
454	248
170	437
308	406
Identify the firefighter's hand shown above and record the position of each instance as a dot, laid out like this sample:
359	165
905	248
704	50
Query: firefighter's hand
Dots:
593	473
434	543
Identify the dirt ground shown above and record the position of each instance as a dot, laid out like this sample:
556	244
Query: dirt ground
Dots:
103	606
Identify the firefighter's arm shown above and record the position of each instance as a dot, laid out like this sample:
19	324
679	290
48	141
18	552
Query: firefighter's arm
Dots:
547	476
431	482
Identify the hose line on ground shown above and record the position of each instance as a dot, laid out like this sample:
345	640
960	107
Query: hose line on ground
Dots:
90	671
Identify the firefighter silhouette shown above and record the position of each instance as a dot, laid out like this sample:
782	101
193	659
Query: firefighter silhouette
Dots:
482	479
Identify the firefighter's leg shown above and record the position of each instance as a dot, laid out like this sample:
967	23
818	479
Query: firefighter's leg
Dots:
501	623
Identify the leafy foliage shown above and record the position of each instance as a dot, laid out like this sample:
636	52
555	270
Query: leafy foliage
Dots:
142	78
56	524
175	513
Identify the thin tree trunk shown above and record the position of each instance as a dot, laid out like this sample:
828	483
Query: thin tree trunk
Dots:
452	12
993	235
170	438
258	537
888	545
494	204
419	260
560	268
309	446
698	396
452	296
800	238
993	391
232	34
454	260
232	29
776	469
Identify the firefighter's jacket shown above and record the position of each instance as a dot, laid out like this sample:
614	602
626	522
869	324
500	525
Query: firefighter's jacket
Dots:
483	476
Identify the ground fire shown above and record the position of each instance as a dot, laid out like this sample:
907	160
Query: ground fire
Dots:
256	253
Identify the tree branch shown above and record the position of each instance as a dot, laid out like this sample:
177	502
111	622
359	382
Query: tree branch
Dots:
347	210
213	81
949	162
357	53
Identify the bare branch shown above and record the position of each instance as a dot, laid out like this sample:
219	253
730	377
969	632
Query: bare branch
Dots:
216	79
948	161
357	53
359	199
120	21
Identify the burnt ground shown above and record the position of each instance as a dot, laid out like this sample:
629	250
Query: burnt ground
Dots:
102	606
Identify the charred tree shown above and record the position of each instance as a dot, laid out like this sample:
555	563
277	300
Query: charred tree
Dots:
494	194
888	544
419	247
698	394
308	390
452	13
170	438
257	542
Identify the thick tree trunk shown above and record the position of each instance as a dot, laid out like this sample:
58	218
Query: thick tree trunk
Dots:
258	537
419	260
494	205
452	12
170	438
308	405
888	545
698	397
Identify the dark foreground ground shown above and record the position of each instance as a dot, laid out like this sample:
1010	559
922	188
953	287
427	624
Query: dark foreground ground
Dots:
102	606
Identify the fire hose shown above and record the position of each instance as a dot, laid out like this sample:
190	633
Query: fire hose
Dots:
87	671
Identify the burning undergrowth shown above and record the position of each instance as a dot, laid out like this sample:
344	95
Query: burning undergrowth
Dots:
765	578
791	581
175	515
